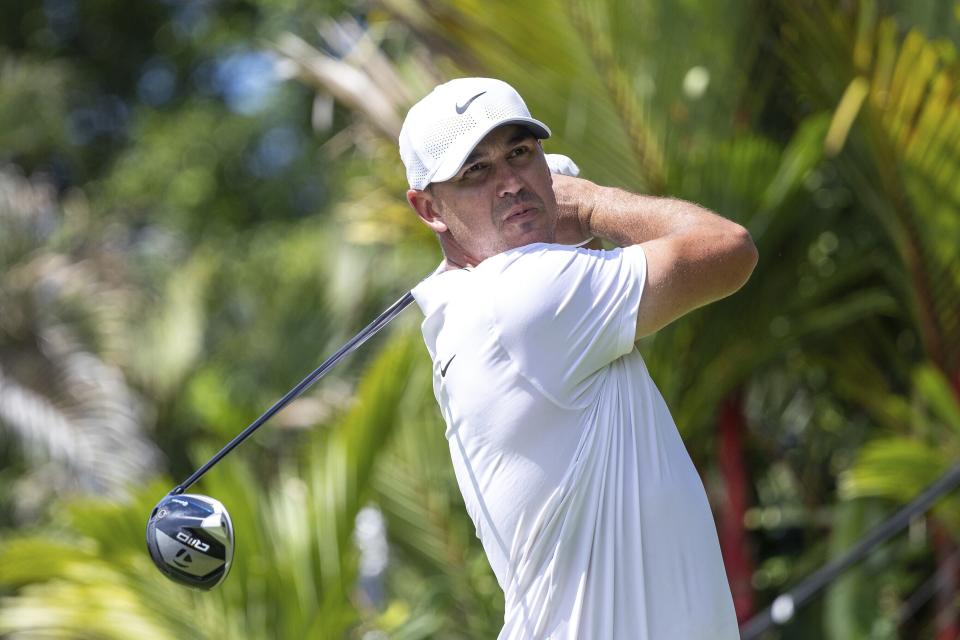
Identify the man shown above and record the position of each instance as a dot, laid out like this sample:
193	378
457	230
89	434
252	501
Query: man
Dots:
589	509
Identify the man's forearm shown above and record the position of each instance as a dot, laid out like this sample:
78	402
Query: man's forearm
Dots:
626	218
693	256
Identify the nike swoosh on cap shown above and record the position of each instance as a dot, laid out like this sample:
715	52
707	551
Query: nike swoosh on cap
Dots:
461	109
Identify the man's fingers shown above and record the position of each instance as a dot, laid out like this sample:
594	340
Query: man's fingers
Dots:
562	164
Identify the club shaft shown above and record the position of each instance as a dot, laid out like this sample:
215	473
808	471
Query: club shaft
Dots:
879	534
354	343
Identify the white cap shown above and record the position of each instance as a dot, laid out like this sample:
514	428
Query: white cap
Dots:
442	129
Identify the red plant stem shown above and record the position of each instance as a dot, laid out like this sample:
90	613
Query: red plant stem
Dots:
734	544
947	624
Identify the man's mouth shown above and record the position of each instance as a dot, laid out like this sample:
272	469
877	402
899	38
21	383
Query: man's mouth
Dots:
520	213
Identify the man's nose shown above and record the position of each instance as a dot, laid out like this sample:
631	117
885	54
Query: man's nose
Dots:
508	182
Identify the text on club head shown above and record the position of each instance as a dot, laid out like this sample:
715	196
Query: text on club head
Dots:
196	543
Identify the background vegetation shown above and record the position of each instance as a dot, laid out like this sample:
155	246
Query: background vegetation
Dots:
201	199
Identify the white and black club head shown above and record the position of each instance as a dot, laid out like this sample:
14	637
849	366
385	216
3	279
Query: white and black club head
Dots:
190	539
189	536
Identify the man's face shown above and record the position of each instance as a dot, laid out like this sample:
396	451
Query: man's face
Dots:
501	198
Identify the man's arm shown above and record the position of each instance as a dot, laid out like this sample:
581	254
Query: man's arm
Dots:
693	255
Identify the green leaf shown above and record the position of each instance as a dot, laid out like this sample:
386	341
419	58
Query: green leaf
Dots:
851	604
937	392
894	468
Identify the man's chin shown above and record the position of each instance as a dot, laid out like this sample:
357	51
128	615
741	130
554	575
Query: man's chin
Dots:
531	234
528	239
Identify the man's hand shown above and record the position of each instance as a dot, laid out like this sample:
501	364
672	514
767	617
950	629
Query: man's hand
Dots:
569	228
575	202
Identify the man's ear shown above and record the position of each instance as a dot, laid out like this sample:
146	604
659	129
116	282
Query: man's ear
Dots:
423	203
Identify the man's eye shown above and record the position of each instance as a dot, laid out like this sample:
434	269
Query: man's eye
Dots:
474	169
519	151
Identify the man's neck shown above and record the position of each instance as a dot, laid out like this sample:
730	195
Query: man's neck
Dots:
450	264
454	256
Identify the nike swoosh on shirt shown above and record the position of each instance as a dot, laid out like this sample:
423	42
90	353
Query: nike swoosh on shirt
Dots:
461	109
443	369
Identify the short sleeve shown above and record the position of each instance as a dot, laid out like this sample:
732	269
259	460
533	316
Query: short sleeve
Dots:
564	313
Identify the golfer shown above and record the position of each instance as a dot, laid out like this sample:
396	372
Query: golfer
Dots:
588	506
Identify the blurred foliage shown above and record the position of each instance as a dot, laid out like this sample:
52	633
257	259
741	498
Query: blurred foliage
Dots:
71	421
200	200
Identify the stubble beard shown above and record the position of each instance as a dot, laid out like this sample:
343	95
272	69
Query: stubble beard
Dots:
537	229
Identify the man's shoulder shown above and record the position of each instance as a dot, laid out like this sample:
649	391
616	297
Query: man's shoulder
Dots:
518	280
528	283
437	290
539	255
535	264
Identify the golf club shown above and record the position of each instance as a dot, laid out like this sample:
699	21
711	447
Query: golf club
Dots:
190	536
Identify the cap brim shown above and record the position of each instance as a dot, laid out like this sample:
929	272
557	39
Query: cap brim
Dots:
457	155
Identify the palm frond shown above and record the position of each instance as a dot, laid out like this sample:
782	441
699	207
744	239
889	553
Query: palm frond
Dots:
898	469
97	581
66	406
935	390
93	433
700	359
860	602
436	550
895	145
169	339
294	571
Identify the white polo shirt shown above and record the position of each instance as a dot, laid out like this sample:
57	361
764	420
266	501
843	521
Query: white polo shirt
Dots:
590	511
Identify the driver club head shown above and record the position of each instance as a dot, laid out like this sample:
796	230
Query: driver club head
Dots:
190	539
